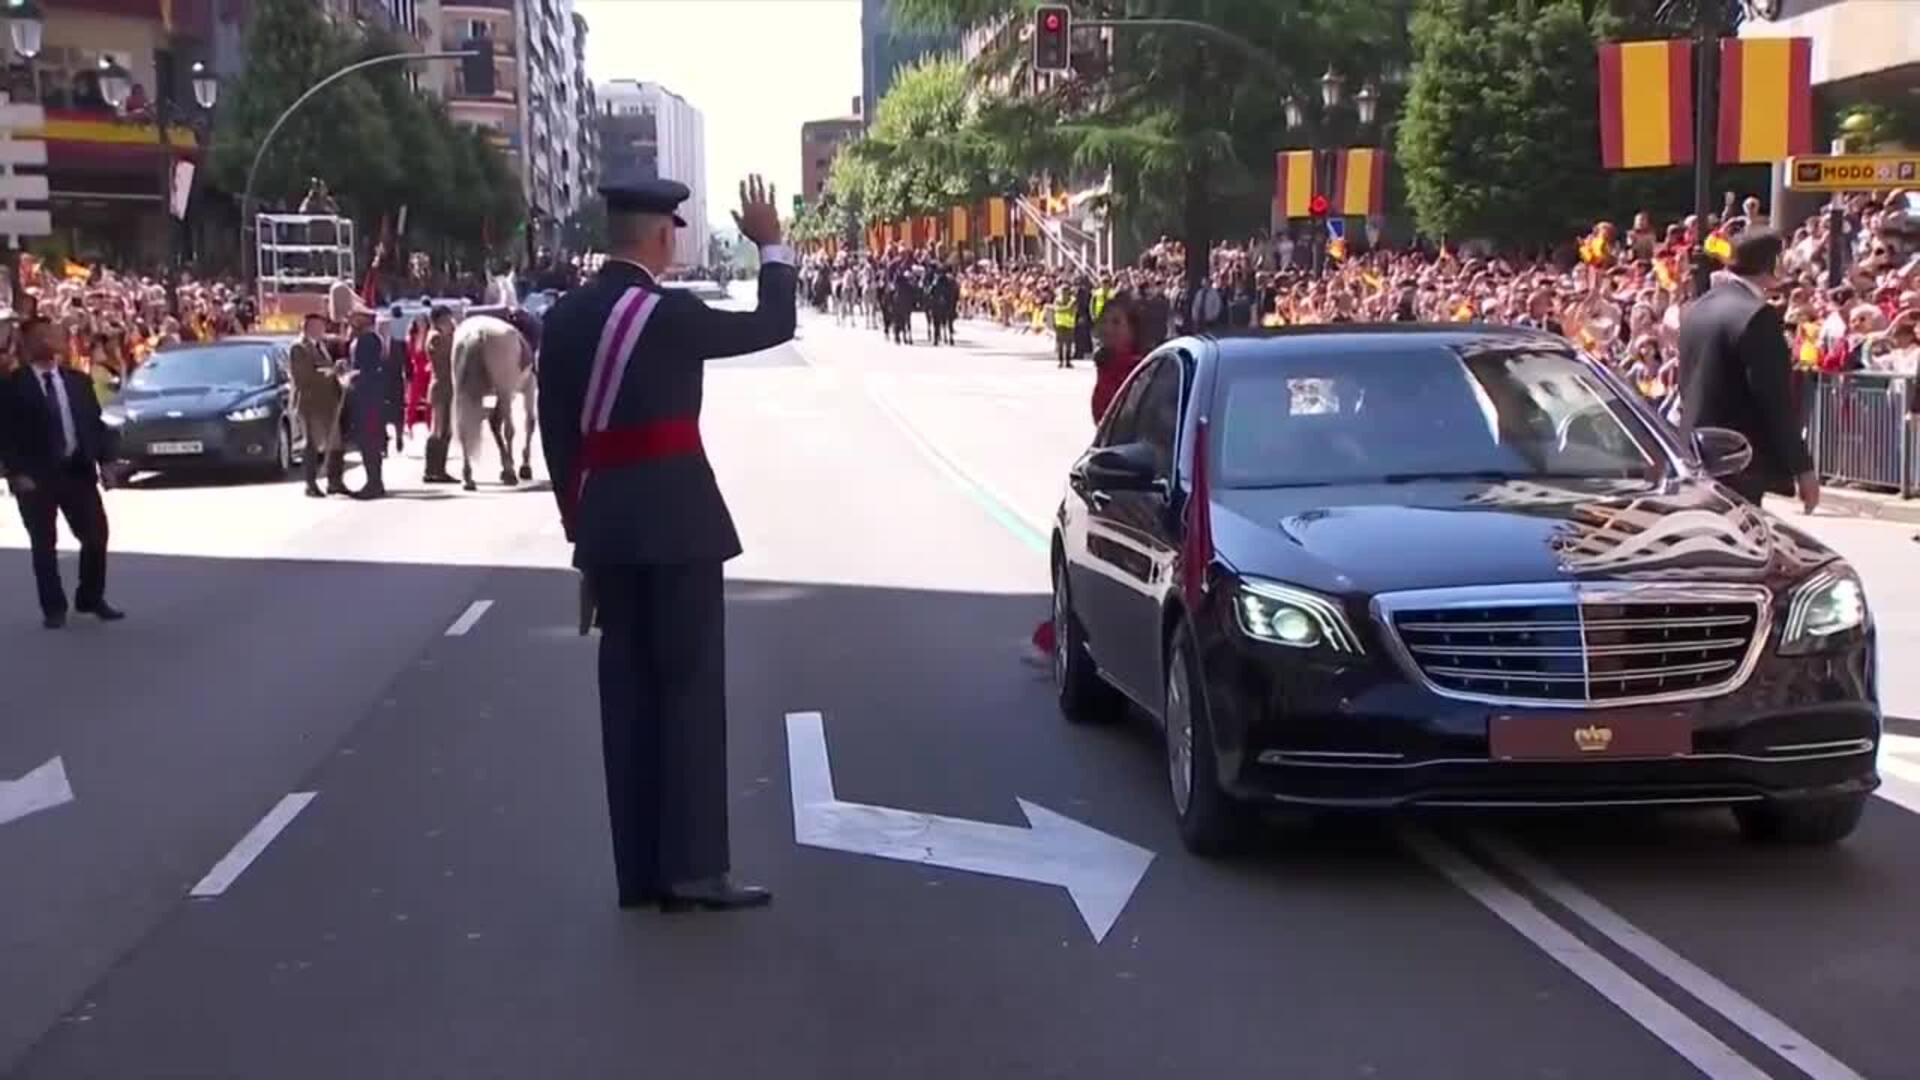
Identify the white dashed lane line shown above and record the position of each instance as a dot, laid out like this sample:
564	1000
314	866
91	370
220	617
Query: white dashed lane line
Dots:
228	870
469	618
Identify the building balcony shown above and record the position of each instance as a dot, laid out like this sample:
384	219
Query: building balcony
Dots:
454	7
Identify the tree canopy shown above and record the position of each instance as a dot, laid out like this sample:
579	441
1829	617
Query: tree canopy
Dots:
378	143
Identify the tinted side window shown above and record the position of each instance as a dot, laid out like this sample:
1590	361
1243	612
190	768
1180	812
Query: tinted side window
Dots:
1123	416
1158	418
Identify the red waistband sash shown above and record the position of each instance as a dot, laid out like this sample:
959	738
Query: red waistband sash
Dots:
609	449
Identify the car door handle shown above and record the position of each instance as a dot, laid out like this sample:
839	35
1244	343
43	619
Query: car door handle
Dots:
1098	499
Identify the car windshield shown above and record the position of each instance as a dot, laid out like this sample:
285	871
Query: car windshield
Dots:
209	367
1423	413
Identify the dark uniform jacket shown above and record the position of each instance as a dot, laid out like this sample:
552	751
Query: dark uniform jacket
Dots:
28	439
1736	372
665	509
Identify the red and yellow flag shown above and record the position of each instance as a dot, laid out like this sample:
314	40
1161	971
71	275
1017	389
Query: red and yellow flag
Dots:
1766	99
996	217
1646	103
1360	182
959	228
1293	182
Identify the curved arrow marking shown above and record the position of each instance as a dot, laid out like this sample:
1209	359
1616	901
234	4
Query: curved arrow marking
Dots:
1099	871
42	789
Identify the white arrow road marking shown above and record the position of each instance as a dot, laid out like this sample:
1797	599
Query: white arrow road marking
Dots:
42	789
1099	871
1900	776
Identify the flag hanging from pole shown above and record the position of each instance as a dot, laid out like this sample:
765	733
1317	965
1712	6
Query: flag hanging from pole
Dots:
1766	99
1646	103
996	218
1293	182
1360	182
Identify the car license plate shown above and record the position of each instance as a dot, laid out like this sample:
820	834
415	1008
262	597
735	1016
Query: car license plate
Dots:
1596	734
160	449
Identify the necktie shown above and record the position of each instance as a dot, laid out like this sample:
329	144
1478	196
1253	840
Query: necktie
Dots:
56	423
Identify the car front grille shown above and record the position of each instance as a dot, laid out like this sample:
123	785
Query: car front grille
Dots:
1589	646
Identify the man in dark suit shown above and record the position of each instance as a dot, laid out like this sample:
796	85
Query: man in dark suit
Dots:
366	406
53	443
620	378
1735	372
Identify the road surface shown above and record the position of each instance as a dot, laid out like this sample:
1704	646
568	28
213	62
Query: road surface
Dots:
365	735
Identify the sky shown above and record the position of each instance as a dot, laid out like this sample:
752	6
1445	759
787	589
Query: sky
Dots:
756	69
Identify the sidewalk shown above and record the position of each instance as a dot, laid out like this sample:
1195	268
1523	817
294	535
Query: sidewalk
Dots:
1874	505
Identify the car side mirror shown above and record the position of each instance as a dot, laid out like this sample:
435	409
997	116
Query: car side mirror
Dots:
1722	452
1127	467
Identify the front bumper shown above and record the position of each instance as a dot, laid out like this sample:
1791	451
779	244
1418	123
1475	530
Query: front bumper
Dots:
1292	729
223	444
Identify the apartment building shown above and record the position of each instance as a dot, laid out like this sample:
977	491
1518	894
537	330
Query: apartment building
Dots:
649	132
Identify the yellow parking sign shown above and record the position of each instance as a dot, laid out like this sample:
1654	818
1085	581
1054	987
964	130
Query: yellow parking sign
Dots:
1852	172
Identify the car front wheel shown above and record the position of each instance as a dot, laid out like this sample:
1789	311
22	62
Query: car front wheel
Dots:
1211	822
1812	822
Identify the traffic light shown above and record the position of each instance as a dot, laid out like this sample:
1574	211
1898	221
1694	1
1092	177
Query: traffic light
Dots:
476	68
1317	206
1052	37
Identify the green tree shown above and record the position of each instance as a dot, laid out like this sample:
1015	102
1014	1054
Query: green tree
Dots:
1500	135
1187	123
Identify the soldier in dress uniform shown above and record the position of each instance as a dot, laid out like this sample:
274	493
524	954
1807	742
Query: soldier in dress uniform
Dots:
440	396
620	374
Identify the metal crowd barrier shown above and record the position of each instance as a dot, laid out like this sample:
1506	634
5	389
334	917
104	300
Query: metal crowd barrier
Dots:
1863	431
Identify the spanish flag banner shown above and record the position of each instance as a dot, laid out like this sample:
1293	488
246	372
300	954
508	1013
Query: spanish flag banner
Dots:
1293	182
1646	103
1766	99
997	218
1360	182
959	226
930	229
1028	226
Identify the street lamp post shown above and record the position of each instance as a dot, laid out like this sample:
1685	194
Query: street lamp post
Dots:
116	85
1333	97
25	31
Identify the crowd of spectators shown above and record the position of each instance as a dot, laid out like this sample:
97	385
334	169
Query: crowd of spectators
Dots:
1618	292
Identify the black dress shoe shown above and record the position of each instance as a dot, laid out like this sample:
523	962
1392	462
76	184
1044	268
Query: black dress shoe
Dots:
54	621
365	495
716	895
103	611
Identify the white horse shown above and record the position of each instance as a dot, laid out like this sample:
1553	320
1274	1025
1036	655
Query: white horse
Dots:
493	358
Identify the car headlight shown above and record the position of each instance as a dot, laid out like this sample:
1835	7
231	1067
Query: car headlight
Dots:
1822	609
1283	615
251	412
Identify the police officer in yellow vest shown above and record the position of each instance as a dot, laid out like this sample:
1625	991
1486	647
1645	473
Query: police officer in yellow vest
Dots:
1063	327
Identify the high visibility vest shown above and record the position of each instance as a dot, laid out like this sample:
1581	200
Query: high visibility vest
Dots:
1063	315
1099	302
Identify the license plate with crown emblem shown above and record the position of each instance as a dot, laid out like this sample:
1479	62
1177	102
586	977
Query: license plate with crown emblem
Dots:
1589	734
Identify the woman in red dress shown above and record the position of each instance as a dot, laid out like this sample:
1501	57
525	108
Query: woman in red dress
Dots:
1120	335
419	375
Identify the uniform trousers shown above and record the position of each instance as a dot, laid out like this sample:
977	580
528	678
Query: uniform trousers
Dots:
663	721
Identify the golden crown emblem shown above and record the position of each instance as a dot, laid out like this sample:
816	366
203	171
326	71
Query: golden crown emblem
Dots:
1593	738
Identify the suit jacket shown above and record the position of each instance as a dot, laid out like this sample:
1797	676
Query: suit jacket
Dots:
26	426
667	509
316	391
367	394
1736	372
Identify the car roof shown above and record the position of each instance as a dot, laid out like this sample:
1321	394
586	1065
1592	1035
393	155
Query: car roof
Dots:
1324	338
262	340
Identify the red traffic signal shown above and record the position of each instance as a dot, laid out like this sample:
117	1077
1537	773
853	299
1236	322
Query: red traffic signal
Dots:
1318	205
1052	36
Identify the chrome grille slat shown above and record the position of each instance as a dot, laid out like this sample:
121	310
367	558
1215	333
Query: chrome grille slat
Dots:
1584	645
1572	627
1708	645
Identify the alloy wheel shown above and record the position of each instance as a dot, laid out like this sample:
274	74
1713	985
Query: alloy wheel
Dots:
1179	733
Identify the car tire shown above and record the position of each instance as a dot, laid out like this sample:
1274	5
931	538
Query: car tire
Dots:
1085	697
1211	821
1808	822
